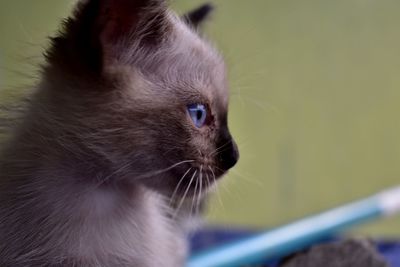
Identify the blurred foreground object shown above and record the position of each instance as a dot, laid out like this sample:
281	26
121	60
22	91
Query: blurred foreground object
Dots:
299	235
350	253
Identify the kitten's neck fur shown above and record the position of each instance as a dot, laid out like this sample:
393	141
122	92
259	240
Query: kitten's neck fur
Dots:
53	210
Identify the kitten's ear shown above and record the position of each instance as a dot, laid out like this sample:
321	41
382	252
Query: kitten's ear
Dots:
103	31
121	20
198	16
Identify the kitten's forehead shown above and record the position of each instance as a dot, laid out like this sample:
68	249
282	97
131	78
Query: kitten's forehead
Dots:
201	60
187	65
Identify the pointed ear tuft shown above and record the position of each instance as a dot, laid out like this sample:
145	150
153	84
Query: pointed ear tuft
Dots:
196	17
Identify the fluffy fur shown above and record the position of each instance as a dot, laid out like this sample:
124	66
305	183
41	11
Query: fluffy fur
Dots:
106	155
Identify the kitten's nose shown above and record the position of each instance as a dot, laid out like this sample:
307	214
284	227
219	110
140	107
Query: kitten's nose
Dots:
229	155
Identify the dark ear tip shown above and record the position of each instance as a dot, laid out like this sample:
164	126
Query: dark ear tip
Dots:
206	8
198	15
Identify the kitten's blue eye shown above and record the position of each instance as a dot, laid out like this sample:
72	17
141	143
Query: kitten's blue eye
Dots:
198	113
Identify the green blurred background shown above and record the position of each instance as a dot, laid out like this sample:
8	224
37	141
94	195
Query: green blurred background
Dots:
314	106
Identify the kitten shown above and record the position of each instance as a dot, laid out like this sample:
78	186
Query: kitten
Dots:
131	112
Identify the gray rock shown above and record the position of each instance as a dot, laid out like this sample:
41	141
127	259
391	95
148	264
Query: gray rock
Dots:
349	253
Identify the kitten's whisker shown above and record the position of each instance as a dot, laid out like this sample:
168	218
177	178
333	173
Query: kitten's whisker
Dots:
178	185
147	175
226	189
262	105
102	181
208	181
220	147
216	190
201	185
238	174
220	151
127	165
265	107
169	150
193	202
184	195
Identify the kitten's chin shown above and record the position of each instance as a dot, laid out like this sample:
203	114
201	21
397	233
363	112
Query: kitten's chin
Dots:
186	182
195	183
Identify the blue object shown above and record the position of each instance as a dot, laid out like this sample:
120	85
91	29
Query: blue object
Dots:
299	235
390	250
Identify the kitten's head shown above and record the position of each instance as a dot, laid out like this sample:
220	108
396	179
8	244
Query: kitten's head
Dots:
141	94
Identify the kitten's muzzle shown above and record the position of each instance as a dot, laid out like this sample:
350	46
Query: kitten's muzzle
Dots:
229	156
